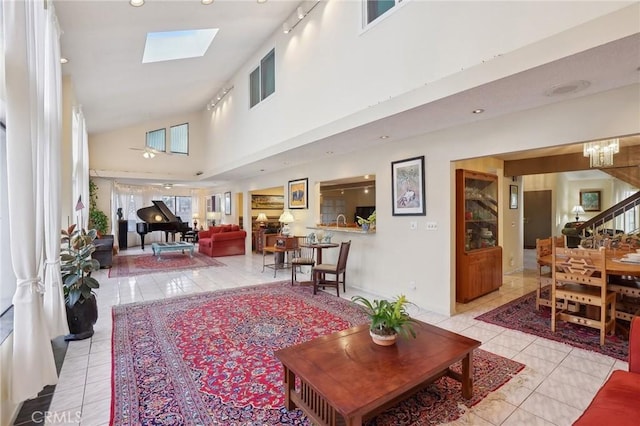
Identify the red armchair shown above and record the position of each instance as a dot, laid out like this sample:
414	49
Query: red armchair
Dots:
224	240
618	400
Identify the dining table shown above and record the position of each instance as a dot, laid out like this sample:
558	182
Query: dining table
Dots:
318	247
616	263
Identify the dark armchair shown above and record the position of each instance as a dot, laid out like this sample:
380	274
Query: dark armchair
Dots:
104	251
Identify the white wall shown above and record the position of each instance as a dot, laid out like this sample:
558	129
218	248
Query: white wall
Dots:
110	153
385	263
331	76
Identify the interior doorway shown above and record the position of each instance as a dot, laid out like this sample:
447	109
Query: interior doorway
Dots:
537	216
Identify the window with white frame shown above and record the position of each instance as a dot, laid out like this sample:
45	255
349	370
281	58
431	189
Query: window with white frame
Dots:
156	139
180	138
179	206
373	9
262	80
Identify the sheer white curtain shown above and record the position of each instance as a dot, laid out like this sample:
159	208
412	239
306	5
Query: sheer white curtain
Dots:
54	308
80	177
134	197
24	34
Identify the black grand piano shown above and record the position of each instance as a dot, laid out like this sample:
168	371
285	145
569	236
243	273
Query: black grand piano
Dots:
159	218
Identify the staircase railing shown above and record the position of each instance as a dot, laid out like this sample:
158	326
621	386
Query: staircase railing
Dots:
597	223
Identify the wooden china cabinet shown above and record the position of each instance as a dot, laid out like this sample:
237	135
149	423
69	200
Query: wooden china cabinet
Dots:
478	255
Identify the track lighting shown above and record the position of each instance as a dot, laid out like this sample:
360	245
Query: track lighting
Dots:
218	98
300	14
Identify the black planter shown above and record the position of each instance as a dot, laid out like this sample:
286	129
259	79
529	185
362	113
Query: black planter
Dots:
80	318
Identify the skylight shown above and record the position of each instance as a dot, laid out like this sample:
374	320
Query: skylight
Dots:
170	45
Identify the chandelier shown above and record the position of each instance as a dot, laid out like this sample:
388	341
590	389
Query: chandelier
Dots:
600	153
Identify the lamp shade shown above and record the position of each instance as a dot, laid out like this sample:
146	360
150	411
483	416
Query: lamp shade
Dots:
286	217
196	216
577	210
262	218
211	215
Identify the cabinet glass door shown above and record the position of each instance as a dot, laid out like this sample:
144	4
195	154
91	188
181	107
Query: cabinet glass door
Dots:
481	213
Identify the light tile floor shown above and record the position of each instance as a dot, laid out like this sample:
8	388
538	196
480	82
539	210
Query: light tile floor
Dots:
555	387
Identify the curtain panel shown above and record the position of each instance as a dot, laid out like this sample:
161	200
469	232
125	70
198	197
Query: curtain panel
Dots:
24	25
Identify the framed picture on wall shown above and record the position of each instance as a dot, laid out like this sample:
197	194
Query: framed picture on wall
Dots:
227	203
407	187
513	196
590	200
298	194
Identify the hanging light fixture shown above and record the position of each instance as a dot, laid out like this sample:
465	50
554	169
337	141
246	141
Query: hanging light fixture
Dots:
600	153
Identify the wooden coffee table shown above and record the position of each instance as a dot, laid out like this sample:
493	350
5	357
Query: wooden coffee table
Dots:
346	378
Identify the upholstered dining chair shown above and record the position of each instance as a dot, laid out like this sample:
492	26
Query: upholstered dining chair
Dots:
301	257
321	271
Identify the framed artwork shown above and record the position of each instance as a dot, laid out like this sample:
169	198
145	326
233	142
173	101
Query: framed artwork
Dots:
513	196
227	203
590	200
298	194
267	202
407	187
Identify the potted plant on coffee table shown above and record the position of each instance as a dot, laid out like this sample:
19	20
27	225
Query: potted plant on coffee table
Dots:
388	319
76	266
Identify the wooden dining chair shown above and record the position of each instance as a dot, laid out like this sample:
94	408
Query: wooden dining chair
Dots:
544	252
580	279
301	257
321	271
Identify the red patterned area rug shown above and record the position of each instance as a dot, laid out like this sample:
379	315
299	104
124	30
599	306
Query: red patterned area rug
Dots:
207	359
521	314
140	264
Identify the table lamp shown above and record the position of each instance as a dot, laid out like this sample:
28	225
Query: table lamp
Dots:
286	218
216	218
211	218
195	216
577	210
261	219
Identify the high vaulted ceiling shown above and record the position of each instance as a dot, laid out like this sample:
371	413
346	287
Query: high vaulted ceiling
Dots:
104	42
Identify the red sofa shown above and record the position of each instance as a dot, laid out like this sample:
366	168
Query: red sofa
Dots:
618	400
223	240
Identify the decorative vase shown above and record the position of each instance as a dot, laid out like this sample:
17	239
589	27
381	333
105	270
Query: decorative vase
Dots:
383	339
81	317
365	227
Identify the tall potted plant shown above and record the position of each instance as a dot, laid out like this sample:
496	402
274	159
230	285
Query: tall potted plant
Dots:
76	266
388	319
98	220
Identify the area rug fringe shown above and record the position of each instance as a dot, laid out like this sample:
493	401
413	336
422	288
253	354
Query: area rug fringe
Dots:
207	359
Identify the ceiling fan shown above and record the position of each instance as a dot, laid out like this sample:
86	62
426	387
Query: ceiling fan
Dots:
148	152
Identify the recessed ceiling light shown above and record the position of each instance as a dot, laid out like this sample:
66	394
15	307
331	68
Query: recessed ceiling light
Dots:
384	137
567	88
170	45
261	1
478	111
329	152
136	3
63	60
205	2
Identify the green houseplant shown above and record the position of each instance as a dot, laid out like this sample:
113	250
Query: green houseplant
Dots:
368	222
388	318
76	266
98	220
